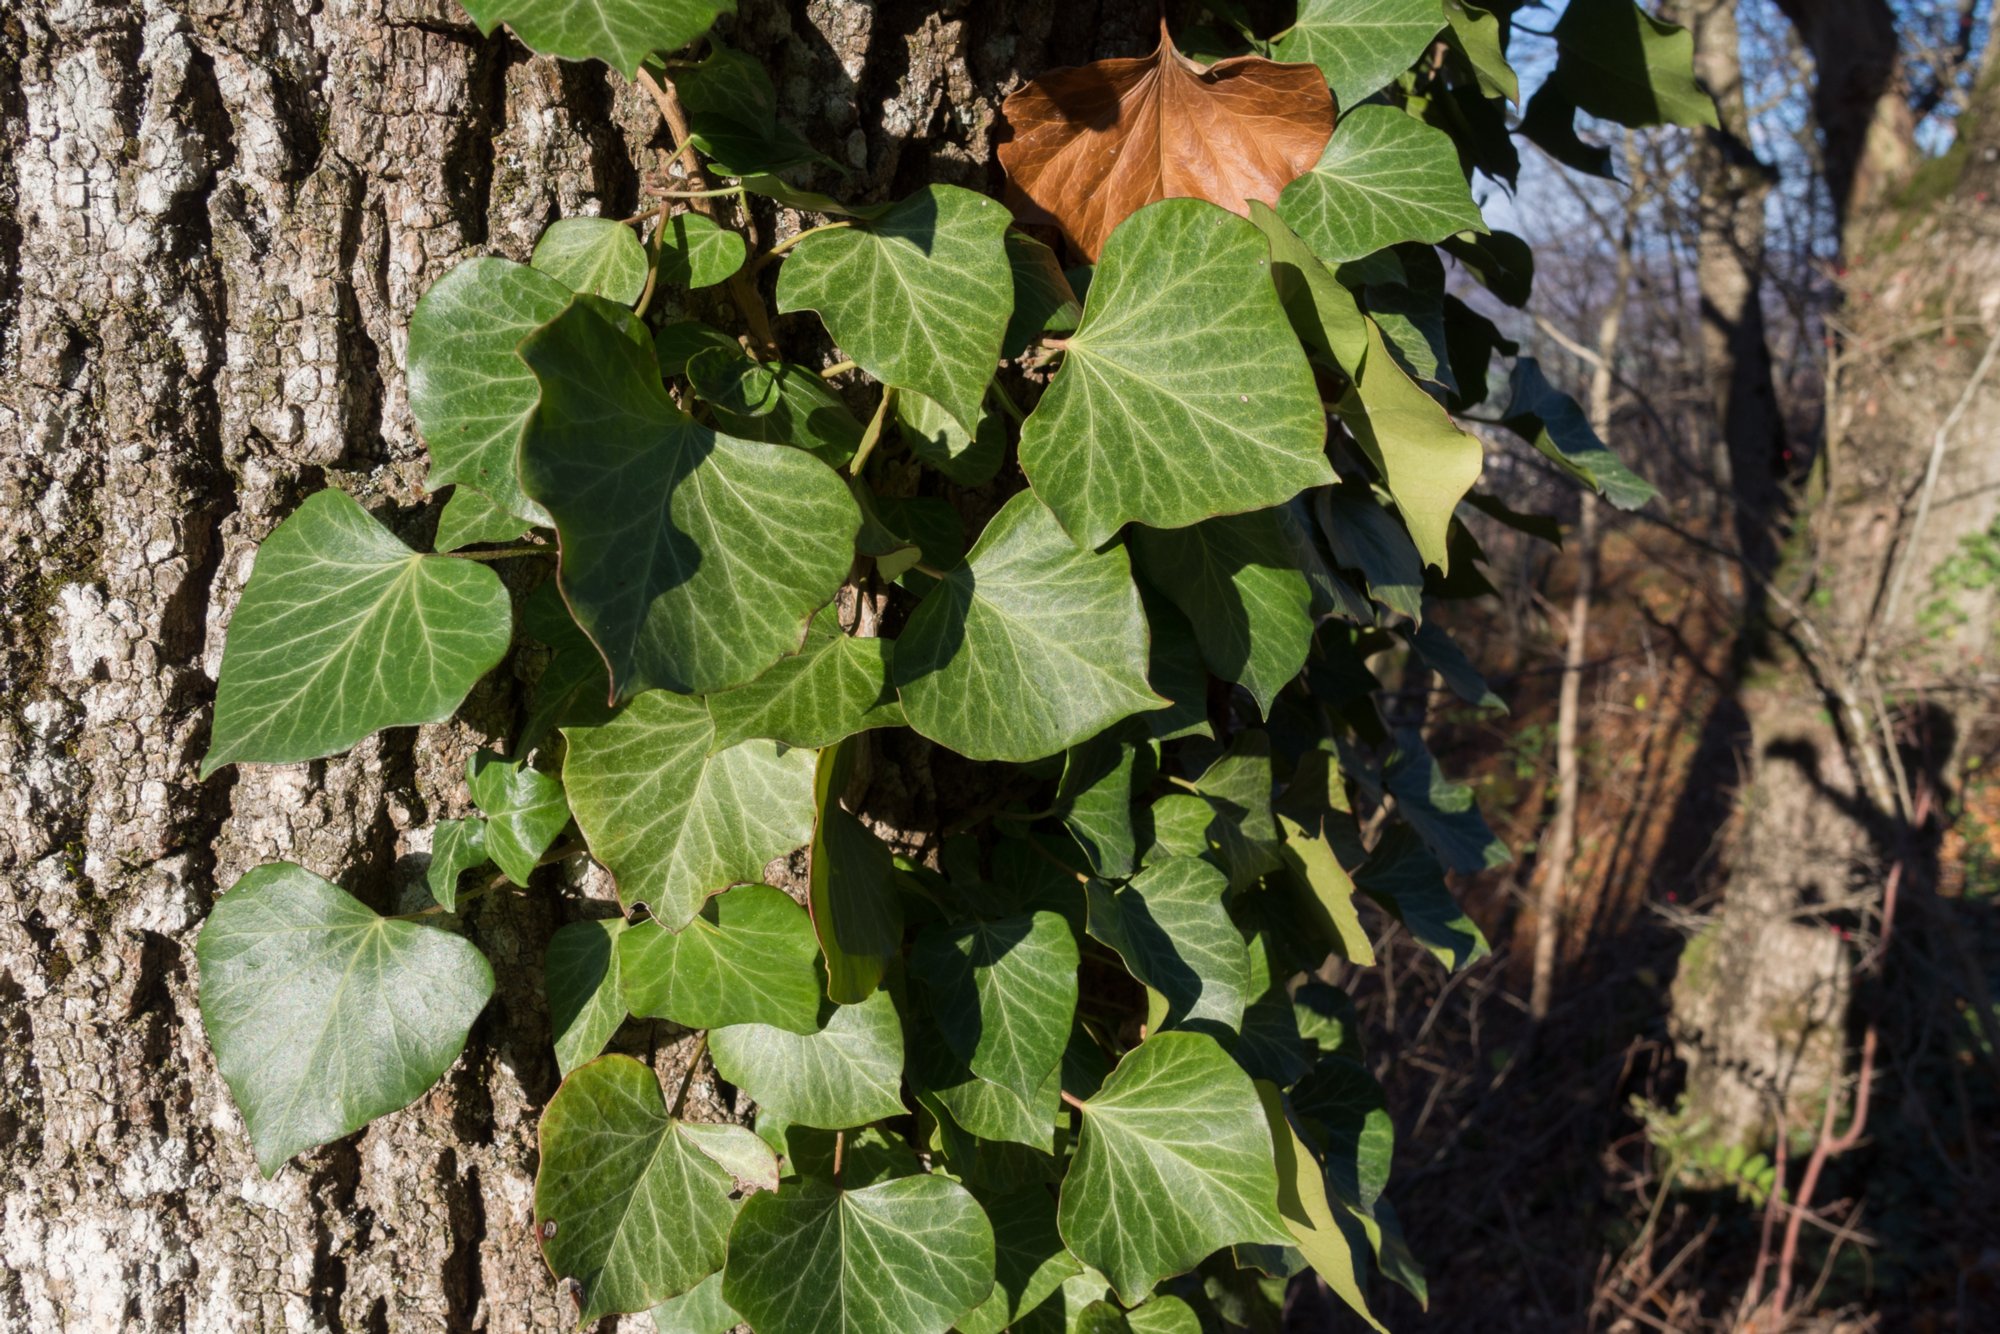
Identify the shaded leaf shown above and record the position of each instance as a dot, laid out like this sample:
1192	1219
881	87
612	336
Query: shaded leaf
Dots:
851	887
732	112
696	252
748	957
1443	812
702	1311
1326	890
1555	424
1173	934
1309	1215
1044	302
1406	879
1030	1261
1100	779
1346	1113
1478	36
1002	994
1365	537
772	401
1322	311
471	518
967	458
586	1000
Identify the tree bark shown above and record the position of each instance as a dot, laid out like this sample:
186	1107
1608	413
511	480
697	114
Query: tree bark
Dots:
1865	121
215	219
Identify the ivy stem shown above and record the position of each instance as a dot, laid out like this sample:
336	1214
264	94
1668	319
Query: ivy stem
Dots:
687	1079
653	262
839	1152
871	436
838	368
922	568
1072	1099
1006	402
777	251
505	553
719	192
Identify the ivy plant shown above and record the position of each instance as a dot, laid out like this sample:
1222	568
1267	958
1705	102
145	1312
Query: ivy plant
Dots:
1109	555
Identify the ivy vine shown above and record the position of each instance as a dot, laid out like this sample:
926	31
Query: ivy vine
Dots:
1061	1062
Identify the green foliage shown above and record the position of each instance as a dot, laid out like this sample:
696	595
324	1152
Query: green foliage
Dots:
1060	789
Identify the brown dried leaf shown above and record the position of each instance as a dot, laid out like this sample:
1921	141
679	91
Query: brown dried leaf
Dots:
1092	145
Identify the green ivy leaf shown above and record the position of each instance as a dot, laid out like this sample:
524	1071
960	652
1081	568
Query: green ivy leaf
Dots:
836	686
469	391
1345	1110
1002	994
847	1074
1426	462
621	33
1360	45
586	998
1323	313
1384	177
1476	33
674	823
456	847
1406	879
1044	302
343	631
1365	537
1555	424
1325	890
1174	1162
1028	647
918	296
324	1014
1183	394
1307	1213
772	401
1502	262
732	112
851	888
991	1113
669	529
574	689
601	256
1100	779
1438	651
867	1156
702	1311
697	252
1619	63
748	957
1175	669
1269	1045
908	1256
1243	582
1173	934
1443	812
969	459
1030	1261
631	1202
470	518
524	811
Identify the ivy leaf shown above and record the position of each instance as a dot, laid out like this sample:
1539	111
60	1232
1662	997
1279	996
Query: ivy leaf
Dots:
1173	1162
748	957
343	631
471	517
456	847
1002	993
1385	177
628	1202
524	811
836	686
1183	394
1619	63
1326	891
669	529
1410	315
1365	537
969	459
991	1113
772	401
1426	462
697	252
1242	581
701	1311
1175	668
1406	879
1044	302
621	33
1438	651
573	688
1030	1261
1323	313
1443	812
1360	45
1269	1045
586	1000
919	296
1028	647
1238	786
1163	1314
868	1155
1307	1213
847	1074
469	391
1476	33
1555	424
1502	262
671	821
908	1256
732	112
1092	145
324	1014
601	256
1173	934
851	888
1095	799
1347	1112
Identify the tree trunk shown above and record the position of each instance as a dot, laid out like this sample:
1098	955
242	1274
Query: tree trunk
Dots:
215	219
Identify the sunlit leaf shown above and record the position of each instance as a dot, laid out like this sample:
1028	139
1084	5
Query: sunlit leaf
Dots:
524	810
621	33
1385	177
1174	935
1360	45
601	256
748	957
846	1074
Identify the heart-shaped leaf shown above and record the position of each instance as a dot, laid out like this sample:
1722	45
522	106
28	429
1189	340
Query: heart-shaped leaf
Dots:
470	518
1091	146
1323	312
586	1000
732	112
836	686
1002	994
324	1014
670	529
919	297
847	1074
524	810
1044	302
772	401
456	847
601	256
1099	781
1173	934
630	1202
1385	177
748	958
674	823
1360	45
696	252
967	458
343	631
621	33
1028	647
1174	1162
908	1256
1184	393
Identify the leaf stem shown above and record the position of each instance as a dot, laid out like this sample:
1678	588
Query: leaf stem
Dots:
838	368
839	1153
505	553
652	262
719	192
777	251
1072	1099
871	436
687	1078
1006	402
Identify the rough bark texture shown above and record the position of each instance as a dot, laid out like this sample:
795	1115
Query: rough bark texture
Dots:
215	219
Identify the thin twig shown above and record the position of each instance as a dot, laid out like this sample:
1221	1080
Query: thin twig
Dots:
506	553
687	1077
871	436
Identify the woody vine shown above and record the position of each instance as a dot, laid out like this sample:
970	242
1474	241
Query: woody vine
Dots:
1156	467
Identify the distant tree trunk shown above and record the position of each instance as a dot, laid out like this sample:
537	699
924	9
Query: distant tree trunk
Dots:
215	219
1866	126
